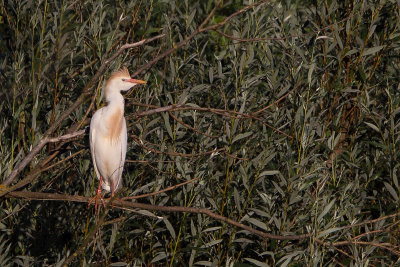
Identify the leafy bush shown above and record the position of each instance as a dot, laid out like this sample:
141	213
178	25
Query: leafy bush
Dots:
287	115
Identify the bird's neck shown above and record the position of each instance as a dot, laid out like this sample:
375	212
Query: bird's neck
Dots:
115	101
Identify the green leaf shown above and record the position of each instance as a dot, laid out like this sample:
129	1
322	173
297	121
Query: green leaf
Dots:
326	210
169	227
159	256
212	243
256	262
372	126
328	231
392	191
241	136
258	223
370	51
269	173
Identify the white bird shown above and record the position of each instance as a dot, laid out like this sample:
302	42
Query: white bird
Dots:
108	135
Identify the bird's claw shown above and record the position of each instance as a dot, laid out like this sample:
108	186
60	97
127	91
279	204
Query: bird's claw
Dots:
96	199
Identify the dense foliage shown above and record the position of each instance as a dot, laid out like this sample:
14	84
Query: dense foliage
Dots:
321	160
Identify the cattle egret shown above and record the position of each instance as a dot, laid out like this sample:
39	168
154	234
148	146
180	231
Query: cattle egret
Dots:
108	136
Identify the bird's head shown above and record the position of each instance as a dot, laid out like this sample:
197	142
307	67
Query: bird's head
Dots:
120	80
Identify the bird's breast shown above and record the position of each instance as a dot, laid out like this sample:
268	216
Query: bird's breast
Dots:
115	122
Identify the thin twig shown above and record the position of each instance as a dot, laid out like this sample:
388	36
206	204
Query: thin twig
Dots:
277	101
223	112
174	154
379	245
190	127
161	191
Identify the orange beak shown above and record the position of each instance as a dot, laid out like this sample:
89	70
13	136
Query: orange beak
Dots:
136	81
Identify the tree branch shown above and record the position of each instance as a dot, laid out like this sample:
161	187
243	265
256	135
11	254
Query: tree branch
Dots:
28	158
118	203
161	191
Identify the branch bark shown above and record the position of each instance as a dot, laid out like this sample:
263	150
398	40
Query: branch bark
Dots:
28	158
118	203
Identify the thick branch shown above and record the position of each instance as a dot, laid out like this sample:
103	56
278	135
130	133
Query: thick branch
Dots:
28	158
118	203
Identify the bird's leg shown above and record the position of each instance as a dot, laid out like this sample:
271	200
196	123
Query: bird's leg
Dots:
97	196
112	194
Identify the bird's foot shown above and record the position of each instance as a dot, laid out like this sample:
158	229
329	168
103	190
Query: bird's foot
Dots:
111	199
96	199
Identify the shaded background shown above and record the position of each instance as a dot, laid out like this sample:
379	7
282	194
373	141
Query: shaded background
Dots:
324	157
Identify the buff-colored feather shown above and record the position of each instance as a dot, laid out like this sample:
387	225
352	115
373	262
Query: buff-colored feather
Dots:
123	72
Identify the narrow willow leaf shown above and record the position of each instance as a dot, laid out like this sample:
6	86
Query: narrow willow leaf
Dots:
392	191
191	17
211	74
243	240
212	229
119	264
310	71
277	187
199	88
256	262
167	124
212	243
113	236
288	257
372	126
169	227
242	62
236	196
258	223
372	50
146	213
395	180
326	210
159	256
193	228
371	30
241	136
269	173
327	232
203	263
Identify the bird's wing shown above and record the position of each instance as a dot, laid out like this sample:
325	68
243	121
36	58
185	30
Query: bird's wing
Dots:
92	139
123	145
